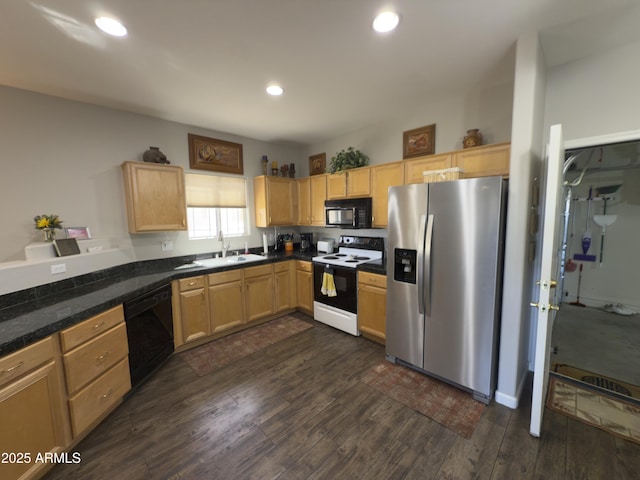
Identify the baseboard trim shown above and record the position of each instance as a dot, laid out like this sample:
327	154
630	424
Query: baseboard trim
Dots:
506	400
511	401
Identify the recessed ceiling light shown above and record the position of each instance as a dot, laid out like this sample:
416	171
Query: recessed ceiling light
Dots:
111	26
386	21
275	90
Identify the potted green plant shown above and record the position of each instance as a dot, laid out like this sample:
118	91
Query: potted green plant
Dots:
346	159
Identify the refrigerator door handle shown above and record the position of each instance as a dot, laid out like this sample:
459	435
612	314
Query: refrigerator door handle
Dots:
426	293
420	264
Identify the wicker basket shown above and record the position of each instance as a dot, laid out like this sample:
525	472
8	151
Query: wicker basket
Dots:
443	175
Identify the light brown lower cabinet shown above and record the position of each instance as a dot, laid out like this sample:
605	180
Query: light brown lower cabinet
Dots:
98	397
258	292
284	285
34	418
96	368
190	310
304	286
210	306
372	306
226	300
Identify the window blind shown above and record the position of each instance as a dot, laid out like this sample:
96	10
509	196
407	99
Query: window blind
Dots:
215	191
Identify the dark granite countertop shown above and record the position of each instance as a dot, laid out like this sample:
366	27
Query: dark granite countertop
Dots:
30	315
378	267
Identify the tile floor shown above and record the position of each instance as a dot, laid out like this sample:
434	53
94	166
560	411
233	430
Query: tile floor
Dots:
598	341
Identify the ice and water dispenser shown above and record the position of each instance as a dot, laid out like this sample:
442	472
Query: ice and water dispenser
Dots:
404	265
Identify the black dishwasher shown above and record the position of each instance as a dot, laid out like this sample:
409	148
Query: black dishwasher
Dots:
149	323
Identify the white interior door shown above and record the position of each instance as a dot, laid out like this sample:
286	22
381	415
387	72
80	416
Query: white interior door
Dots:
548	270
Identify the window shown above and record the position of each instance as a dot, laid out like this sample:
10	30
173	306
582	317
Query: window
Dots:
216	203
204	222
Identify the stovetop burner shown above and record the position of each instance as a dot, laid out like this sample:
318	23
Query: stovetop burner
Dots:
349	255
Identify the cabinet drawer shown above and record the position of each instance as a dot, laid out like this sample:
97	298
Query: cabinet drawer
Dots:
225	277
74	336
191	283
97	397
372	279
28	358
258	271
95	357
304	266
281	266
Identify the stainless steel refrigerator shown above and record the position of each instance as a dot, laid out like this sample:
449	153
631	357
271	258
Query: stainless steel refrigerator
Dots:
444	279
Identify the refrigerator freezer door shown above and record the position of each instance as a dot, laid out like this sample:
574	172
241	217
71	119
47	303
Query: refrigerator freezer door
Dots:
460	333
406	231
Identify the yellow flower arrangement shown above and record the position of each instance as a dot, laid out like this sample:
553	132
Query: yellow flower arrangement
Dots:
47	221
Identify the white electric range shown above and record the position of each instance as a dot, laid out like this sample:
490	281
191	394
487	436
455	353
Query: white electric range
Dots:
341	311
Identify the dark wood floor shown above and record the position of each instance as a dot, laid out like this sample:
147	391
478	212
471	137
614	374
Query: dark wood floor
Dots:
297	410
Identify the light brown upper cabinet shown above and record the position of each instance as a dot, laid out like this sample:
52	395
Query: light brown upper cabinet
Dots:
318	187
350	183
484	161
413	168
276	201
155	197
304	201
382	177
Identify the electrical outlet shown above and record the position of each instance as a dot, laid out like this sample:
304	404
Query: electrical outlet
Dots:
59	268
167	245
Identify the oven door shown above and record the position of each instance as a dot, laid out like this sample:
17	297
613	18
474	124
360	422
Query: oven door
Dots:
341	217
346	287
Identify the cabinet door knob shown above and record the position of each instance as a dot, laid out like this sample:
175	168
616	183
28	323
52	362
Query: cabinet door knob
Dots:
102	357
109	392
98	325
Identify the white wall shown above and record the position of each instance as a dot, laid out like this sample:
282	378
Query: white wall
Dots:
616	279
592	97
488	109
64	157
595	95
526	145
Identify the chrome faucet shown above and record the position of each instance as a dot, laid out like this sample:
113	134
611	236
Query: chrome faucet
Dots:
225	246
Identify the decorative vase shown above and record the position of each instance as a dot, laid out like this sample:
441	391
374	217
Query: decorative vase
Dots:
472	139
154	155
49	234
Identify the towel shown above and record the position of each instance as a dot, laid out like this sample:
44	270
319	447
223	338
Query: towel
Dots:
328	285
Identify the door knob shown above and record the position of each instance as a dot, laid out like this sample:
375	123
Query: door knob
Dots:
547	284
545	307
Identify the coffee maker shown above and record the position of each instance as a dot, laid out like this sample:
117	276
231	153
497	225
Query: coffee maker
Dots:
306	242
279	246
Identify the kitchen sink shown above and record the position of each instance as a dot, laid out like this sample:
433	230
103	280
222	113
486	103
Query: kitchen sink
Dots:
220	262
223	261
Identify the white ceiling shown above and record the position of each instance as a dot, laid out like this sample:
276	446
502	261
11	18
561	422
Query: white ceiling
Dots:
207	62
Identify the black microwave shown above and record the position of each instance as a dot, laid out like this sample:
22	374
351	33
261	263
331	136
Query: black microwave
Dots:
348	213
